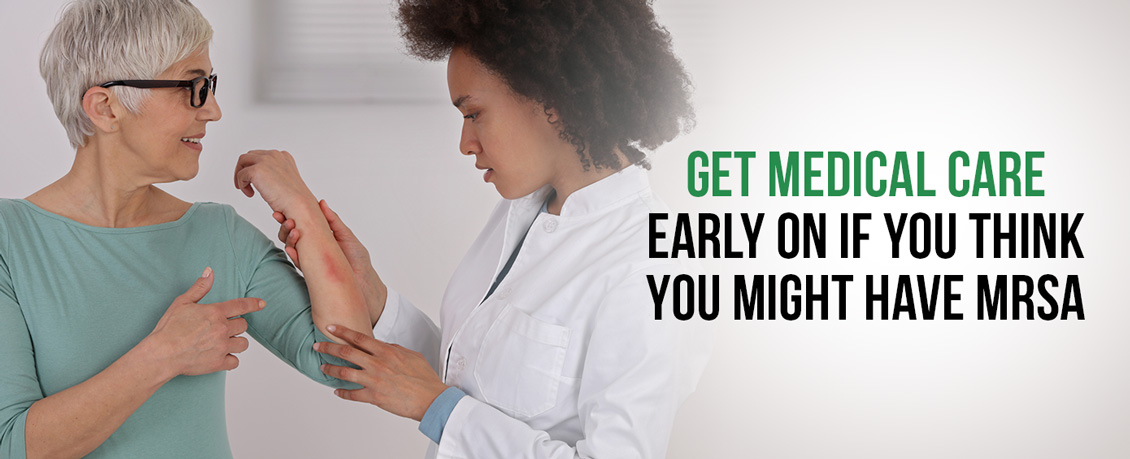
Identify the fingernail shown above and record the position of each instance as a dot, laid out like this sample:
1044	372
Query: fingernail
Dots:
332	328
207	272
337	392
318	347
262	304
322	367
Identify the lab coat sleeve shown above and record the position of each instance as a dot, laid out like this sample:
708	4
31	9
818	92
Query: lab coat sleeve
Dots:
402	323
636	373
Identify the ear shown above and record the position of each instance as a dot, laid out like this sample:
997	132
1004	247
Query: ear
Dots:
102	108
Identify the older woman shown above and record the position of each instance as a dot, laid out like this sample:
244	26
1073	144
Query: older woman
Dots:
103	352
548	346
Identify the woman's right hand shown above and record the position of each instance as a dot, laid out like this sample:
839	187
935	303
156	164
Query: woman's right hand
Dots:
197	339
355	252
275	174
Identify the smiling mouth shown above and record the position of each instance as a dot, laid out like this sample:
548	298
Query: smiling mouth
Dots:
195	140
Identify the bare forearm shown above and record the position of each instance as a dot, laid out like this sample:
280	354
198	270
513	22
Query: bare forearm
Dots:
74	422
334	292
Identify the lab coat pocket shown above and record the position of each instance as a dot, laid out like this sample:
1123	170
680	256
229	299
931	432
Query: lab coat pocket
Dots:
520	362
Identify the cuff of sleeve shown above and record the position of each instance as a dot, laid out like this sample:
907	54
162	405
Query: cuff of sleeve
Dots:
386	324
435	418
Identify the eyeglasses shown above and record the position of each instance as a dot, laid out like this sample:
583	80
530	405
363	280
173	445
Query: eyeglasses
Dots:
198	86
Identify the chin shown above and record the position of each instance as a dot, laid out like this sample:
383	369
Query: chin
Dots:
188	174
512	193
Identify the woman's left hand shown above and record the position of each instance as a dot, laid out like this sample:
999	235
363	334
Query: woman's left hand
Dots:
396	379
275	174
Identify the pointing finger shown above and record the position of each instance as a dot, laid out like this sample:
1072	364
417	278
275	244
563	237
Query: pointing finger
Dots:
240	306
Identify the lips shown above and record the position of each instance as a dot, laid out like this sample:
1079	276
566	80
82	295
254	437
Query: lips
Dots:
486	175
193	141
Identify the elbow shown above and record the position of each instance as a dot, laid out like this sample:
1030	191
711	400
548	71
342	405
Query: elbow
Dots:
12	438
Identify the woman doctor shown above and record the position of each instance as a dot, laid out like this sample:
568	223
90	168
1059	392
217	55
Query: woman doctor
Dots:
547	345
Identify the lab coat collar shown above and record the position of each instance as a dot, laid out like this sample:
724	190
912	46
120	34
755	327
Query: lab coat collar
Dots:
626	183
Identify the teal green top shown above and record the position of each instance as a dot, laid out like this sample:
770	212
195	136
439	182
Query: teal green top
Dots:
74	298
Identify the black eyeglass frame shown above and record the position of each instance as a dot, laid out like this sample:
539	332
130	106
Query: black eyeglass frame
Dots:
196	100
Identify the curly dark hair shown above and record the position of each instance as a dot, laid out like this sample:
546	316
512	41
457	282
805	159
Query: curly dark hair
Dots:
605	66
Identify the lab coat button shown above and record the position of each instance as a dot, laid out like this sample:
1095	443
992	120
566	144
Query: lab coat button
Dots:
504	293
550	225
459	364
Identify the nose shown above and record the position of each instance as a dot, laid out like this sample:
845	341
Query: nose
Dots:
469	140
210	111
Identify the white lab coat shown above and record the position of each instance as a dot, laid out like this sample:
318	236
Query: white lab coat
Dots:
565	358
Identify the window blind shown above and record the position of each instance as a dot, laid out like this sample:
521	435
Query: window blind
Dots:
339	51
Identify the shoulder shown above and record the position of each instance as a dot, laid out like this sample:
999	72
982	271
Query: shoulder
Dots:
222	221
214	210
7	212
225	216
12	208
13	214
247	243
222	214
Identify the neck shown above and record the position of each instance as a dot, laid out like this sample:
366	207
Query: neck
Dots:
100	190
576	178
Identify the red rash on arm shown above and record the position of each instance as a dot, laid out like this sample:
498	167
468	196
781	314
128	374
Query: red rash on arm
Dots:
334	295
332	273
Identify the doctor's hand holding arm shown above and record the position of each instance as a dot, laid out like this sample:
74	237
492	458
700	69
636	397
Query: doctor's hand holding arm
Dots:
331	281
396	379
372	288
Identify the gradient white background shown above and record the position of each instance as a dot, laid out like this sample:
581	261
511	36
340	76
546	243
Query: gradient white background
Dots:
886	75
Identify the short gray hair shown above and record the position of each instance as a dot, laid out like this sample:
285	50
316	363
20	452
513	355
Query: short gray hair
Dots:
96	41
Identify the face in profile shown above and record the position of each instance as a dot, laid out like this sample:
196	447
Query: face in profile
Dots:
511	138
165	137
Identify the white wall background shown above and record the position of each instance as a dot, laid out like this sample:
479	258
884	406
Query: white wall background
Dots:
1004	75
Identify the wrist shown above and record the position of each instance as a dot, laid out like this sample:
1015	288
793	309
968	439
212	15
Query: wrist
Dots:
151	361
305	211
431	397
